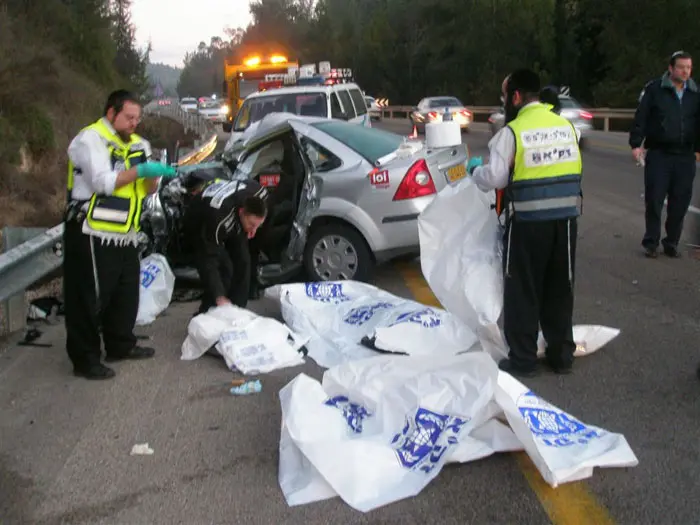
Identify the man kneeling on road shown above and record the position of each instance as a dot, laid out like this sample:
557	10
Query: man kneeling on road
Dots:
220	221
536	158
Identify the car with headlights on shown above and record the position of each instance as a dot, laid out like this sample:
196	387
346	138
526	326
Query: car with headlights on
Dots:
434	109
212	110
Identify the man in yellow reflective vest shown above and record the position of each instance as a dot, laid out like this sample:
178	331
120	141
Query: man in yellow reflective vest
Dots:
109	174
536	158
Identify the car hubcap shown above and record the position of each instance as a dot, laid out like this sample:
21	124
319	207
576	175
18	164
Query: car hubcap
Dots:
334	258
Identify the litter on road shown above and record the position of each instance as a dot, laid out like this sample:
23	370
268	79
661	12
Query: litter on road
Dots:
142	450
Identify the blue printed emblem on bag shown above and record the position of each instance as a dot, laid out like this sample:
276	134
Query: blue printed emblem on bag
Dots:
353	413
360	315
427	317
551	426
149	274
233	335
326	292
425	438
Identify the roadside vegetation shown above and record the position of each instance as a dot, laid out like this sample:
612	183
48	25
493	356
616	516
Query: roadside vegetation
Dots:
404	50
59	61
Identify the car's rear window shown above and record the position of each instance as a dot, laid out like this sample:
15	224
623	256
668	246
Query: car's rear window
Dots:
370	143
444	102
569	103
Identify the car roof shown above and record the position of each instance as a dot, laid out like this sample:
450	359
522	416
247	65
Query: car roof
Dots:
441	96
300	90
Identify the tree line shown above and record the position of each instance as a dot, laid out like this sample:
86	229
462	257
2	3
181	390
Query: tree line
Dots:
59	60
407	49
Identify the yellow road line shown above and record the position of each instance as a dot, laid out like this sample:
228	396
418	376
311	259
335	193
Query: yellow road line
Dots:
569	504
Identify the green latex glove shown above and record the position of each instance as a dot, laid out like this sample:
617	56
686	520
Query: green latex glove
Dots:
473	163
153	170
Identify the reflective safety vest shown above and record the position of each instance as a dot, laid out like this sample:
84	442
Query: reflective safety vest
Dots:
546	179
119	212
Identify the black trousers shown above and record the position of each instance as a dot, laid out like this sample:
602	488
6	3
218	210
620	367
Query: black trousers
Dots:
667	175
234	269
108	303
539	290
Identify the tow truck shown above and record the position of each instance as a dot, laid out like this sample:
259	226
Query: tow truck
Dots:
244	78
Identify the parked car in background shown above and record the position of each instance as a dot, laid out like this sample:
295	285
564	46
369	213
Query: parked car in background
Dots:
432	109
343	101
188	104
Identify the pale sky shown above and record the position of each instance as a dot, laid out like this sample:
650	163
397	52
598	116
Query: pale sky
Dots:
176	30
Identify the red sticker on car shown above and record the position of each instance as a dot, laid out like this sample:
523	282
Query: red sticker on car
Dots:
269	180
380	179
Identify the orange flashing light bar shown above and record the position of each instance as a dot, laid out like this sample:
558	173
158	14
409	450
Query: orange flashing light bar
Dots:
257	60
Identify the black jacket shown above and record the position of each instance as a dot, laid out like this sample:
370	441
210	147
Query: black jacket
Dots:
212	223
665	122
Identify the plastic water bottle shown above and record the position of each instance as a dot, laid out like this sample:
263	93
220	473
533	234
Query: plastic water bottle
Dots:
250	387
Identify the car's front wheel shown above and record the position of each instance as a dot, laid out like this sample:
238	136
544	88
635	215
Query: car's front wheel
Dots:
335	252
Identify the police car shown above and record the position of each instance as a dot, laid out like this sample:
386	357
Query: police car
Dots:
331	94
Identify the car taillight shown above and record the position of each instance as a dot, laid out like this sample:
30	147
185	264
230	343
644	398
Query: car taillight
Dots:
416	183
466	113
585	114
432	114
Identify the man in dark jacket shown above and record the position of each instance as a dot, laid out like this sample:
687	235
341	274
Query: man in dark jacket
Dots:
220	221
667	124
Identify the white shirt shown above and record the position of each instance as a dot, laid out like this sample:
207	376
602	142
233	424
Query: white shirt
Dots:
89	152
495	174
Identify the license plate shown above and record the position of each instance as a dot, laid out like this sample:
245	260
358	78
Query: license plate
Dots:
456	172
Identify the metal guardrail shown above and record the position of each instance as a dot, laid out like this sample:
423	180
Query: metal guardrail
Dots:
29	255
192	121
606	114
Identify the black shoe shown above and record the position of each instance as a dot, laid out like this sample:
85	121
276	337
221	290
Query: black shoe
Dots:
138	352
96	372
651	253
506	365
672	252
254	294
559	369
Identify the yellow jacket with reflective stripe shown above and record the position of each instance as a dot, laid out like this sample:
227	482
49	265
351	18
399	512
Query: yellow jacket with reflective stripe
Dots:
546	179
119	212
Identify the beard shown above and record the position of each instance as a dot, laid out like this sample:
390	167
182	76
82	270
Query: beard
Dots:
511	110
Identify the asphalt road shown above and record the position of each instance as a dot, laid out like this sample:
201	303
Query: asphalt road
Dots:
65	442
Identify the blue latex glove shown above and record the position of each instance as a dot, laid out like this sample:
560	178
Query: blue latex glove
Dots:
473	163
153	170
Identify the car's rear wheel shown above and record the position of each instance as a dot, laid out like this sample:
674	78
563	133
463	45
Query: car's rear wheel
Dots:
336	252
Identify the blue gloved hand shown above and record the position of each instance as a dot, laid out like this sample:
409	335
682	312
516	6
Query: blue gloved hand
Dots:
153	170
473	163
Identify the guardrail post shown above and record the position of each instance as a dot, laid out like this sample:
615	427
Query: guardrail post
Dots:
15	308
606	124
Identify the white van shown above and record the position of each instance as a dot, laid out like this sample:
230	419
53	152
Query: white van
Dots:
337	101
